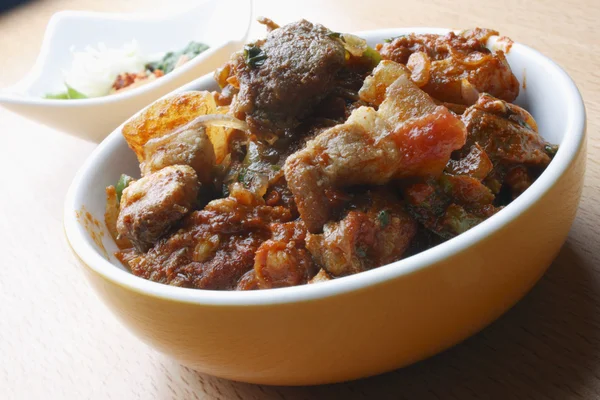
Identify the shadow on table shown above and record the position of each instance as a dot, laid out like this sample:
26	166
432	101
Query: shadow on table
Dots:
545	347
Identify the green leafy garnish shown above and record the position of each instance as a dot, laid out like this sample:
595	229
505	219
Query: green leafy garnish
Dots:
69	94
254	55
384	218
169	60
361	252
74	94
242	174
275	167
335	35
523	124
551	149
372	55
123	182
457	220
58	96
390	40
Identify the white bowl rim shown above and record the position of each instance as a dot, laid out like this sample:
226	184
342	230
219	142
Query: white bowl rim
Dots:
11	94
571	144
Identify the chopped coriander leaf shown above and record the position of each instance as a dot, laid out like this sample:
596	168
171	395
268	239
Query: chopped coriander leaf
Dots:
361	252
171	59
123	182
69	94
390	40
254	55
242	175
384	218
74	94
335	35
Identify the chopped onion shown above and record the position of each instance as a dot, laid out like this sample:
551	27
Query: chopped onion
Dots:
217	120
420	66
354	44
468	92
471	60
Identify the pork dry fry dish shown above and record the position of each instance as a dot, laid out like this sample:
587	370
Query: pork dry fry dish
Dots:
321	157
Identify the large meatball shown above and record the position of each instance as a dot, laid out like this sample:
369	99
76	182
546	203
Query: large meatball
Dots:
283	77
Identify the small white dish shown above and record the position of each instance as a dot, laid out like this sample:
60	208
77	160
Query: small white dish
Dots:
222	26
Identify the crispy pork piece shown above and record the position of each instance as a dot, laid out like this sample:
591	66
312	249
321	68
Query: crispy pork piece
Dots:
408	136
188	146
151	205
376	233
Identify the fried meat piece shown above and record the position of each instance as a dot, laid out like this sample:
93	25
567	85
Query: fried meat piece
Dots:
214	247
283	77
151	205
409	136
376	233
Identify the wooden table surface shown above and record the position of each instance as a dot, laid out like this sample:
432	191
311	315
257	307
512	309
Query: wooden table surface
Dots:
57	340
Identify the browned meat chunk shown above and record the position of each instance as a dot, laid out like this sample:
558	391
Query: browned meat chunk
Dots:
284	76
151	205
517	180
186	146
507	133
450	205
409	136
214	247
454	68
375	234
284	261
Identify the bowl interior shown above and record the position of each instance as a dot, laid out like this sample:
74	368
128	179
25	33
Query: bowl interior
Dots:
549	94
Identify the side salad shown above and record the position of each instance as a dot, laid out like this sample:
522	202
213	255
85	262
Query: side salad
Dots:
102	71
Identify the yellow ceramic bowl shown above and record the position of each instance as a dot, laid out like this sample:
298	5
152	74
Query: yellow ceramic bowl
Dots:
363	324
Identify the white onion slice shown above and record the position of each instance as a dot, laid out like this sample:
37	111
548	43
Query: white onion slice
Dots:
217	120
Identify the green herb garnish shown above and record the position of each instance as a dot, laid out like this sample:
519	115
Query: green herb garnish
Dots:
69	94
57	96
254	55
372	55
384	218
457	220
123	182
169	60
335	35
361	252
242	175
390	40
551	149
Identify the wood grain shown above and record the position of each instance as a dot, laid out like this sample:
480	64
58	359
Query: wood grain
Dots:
58	341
